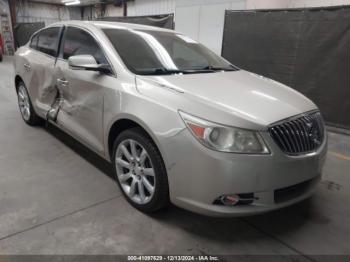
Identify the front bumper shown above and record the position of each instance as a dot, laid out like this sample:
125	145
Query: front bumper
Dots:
197	176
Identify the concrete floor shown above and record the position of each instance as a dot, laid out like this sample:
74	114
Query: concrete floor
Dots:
56	197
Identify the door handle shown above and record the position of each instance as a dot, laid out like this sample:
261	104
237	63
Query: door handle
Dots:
63	82
27	67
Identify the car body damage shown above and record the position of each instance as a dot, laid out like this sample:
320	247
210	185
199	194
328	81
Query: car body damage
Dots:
51	115
58	98
41	82
128	90
79	104
47	96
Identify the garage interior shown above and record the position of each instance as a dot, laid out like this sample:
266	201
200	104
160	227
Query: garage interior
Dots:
57	197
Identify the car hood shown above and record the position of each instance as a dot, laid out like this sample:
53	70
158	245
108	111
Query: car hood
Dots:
242	94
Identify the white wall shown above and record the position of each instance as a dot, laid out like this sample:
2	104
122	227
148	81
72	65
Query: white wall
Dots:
317	3
259	4
203	20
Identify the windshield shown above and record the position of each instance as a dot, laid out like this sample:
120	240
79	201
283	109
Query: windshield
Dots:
147	52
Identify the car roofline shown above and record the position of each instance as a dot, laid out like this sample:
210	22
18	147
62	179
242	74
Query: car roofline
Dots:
109	24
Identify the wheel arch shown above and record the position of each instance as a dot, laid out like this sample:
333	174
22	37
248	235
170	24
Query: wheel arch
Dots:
126	122
18	79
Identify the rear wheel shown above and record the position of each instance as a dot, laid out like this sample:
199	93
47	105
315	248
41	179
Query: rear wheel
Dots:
140	170
25	106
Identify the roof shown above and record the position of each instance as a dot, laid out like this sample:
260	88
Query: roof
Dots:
107	24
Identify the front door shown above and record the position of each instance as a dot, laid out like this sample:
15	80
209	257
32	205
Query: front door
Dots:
81	92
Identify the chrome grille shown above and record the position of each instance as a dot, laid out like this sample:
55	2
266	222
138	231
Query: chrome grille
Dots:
299	135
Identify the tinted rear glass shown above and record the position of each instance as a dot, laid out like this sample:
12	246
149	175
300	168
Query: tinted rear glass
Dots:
48	41
34	41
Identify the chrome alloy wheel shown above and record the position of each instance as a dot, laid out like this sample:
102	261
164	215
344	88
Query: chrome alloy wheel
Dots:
135	171
23	102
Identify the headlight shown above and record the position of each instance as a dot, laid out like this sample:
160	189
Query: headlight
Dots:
224	138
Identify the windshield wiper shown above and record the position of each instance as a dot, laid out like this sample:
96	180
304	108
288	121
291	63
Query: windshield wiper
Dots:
217	68
159	71
164	71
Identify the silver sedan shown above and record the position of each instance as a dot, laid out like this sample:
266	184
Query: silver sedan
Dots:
179	123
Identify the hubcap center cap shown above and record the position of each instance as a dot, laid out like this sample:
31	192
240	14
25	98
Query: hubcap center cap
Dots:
138	171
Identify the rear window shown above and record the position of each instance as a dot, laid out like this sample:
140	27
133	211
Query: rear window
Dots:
48	41
34	41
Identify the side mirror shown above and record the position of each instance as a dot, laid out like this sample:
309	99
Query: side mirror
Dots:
87	62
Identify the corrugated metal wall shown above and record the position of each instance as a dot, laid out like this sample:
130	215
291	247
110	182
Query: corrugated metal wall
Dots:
112	10
95	12
151	7
39	12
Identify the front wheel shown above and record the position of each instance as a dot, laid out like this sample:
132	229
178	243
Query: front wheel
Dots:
140	171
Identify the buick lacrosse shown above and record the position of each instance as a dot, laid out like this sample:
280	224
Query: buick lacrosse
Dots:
179	123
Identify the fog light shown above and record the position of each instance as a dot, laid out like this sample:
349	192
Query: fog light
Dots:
229	200
235	199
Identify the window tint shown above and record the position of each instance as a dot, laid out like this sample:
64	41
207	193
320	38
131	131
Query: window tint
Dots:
159	52
186	57
48	41
136	53
34	42
80	42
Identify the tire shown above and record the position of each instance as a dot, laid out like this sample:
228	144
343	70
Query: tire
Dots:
25	105
152	201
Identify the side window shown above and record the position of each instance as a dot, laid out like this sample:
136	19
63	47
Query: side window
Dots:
48	41
80	42
34	41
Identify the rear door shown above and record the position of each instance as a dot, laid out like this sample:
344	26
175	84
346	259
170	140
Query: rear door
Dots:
80	108
38	64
